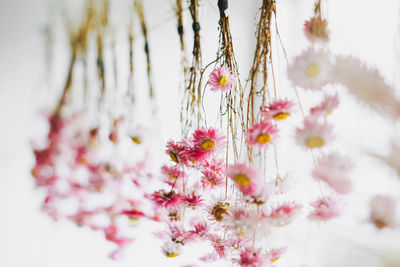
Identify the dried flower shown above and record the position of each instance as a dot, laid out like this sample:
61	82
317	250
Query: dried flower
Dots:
262	134
221	79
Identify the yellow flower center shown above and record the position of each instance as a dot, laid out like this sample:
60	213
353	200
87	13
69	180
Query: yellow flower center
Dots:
172	254
329	112
274	260
211	182
242	179
313	70
208	144
223	80
263	138
173	157
281	116
314	142
136	140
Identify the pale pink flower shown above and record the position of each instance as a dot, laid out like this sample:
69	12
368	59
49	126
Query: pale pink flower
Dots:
172	174
283	214
330	103
278	110
221	79
333	169
171	249
311	70
246	178
211	179
275	254
383	211
324	209
262	134
367	85
314	133
316	29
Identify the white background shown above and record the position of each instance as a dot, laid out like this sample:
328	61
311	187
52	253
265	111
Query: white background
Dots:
364	28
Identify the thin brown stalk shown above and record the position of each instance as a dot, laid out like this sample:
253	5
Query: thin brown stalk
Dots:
139	10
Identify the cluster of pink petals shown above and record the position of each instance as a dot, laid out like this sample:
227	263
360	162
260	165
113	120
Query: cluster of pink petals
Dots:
252	258
329	104
284	213
333	169
324	209
262	134
82	176
277	110
316	29
221	79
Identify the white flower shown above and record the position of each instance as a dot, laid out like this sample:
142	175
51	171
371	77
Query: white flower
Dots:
312	69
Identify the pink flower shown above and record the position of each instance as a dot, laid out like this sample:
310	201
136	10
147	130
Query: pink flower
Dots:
330	103
172	174
206	142
200	227
311	70
316	29
383	211
262	134
211	179
219	244
177	151
277	110
163	199
113	234
314	133
284	213
275	254
252	258
192	200
325	209
246	178
333	169
221	79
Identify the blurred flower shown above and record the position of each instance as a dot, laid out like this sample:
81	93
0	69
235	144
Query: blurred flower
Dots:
311	70
316	29
325	208
314	133
325	108
383	211
333	169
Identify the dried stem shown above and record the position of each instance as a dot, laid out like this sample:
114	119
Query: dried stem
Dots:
139	10
192	96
